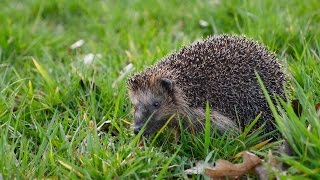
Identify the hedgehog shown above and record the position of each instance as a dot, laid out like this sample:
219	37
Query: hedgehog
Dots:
219	71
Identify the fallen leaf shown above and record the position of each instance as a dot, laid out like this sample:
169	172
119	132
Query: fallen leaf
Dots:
225	168
198	169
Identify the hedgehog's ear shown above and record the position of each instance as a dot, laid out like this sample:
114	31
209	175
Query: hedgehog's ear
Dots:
167	84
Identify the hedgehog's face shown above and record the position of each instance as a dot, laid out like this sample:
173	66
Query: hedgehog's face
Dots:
153	105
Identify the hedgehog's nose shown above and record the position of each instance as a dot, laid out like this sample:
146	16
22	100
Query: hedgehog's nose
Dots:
136	129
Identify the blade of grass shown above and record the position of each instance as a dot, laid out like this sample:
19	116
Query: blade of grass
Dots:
44	74
207	134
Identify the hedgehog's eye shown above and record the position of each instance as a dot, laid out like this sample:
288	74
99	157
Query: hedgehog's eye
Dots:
156	104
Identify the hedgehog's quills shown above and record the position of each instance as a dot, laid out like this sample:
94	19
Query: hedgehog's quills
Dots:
219	70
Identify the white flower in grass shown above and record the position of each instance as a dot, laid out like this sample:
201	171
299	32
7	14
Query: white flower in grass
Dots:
88	58
77	44
203	23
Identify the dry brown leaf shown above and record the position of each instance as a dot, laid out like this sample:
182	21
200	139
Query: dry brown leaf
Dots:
198	169
225	168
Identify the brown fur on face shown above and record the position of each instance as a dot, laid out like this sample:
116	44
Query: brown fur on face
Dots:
156	99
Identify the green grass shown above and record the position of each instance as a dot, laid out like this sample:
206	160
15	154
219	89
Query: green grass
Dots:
47	116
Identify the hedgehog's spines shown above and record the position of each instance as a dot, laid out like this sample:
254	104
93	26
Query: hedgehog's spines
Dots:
220	70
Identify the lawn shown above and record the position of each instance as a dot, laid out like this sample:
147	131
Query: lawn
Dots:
63	71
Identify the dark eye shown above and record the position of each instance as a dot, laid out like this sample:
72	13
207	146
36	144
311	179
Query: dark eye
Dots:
156	104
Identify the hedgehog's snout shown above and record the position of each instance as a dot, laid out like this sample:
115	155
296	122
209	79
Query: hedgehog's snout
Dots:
143	114
136	129
138	124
